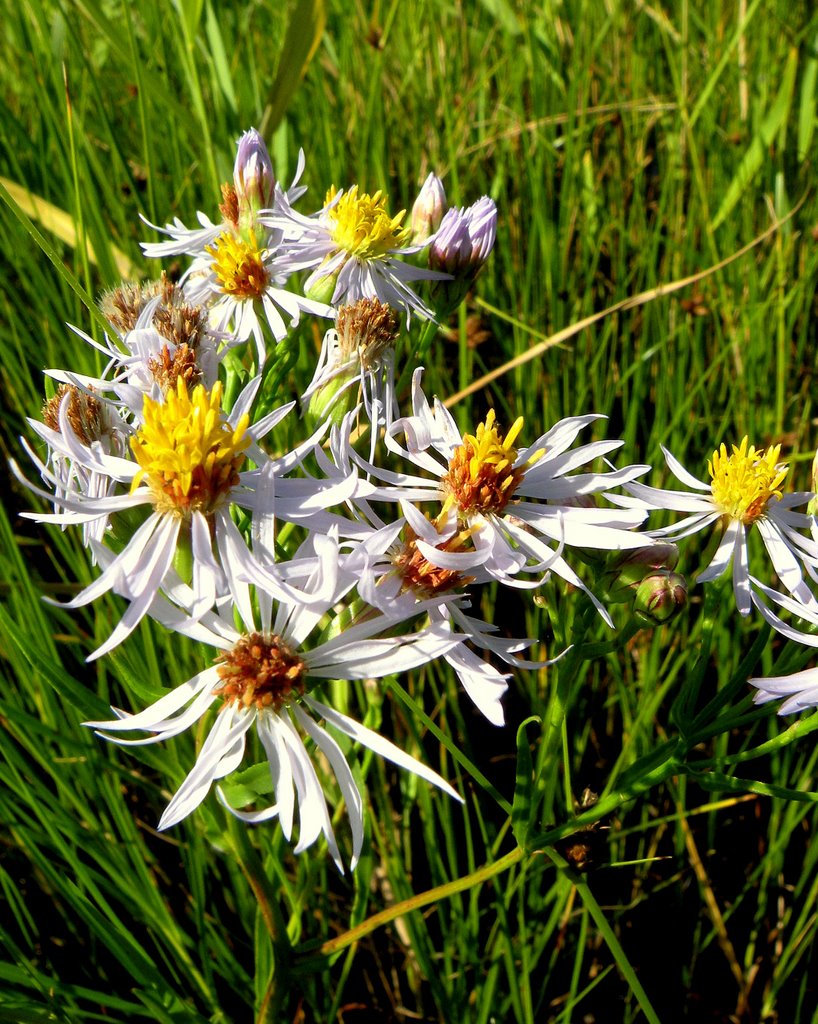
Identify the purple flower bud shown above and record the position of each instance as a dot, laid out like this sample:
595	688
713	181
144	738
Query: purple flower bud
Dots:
253	176
464	239
428	211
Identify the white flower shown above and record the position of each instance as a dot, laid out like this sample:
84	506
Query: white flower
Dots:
237	279
264	677
744	492
515	503
187	470
352	247
236	270
396	577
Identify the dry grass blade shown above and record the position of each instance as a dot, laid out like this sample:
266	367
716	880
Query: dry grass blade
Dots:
61	224
635	300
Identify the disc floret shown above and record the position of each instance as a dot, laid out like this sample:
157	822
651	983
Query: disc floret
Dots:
361	225
744	482
238	265
423	578
483	475
260	671
188	452
367	329
85	413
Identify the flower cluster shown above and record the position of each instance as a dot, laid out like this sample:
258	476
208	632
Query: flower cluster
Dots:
297	563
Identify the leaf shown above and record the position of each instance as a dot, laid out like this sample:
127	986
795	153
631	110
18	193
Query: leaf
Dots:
50	671
191	11
218	56
756	154
806	111
304	31
522	808
715	781
246	786
504	15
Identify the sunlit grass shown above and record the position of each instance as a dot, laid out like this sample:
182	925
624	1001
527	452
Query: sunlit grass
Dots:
627	146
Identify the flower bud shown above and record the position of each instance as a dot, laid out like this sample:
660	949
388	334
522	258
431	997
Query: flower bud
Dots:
253	177
627	569
428	211
460	248
660	596
334	398
465	238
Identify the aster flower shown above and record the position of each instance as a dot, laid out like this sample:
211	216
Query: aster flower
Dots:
186	468
360	351
76	421
352	246
399	580
744	492
236	271
515	502
265	676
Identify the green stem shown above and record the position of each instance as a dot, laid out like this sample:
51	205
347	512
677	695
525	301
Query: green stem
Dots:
417	356
268	906
423	899
566	672
278	365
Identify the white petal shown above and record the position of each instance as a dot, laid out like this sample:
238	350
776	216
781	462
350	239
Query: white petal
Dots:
221	743
380	746
157	714
349	790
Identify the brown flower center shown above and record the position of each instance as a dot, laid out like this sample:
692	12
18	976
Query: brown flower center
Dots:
167	369
262	670
84	413
366	329
423	578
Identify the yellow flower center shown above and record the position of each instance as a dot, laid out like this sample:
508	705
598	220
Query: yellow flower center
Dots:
745	481
361	226
238	266
260	670
187	451
481	477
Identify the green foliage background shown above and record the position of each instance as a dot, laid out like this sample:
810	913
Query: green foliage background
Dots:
628	145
